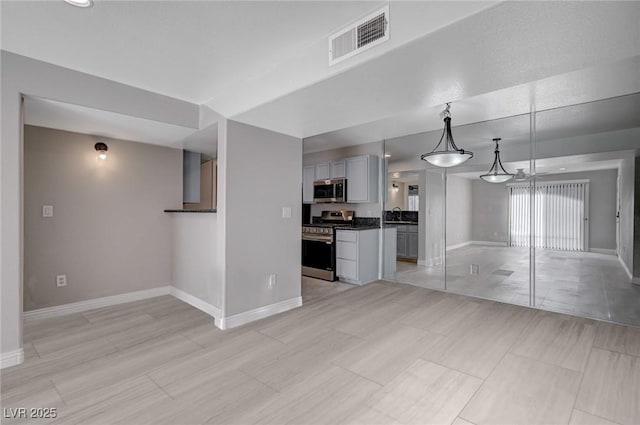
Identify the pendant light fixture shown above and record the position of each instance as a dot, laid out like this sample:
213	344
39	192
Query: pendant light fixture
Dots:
449	155
497	173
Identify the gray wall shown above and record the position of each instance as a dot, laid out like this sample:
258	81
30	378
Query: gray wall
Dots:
109	233
396	198
490	219
459	210
258	240
23	75
194	264
490	212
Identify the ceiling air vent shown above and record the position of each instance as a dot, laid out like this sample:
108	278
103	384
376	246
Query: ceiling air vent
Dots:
359	36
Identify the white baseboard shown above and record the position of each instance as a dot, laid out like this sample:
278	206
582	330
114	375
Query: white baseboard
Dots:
489	243
61	310
196	302
11	358
460	245
626	269
435	263
603	251
259	313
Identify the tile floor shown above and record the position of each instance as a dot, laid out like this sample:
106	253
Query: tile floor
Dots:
585	284
383	353
313	289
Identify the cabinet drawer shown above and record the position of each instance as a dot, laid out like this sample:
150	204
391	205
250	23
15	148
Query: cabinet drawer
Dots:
412	228
347	250
347	236
402	228
347	269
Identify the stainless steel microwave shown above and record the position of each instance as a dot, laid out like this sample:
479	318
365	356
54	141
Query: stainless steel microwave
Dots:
325	191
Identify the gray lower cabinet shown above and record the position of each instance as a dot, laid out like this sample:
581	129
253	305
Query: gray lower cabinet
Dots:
412	245
407	241
357	255
401	239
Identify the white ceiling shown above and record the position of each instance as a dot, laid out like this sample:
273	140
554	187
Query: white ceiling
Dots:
602	116
65	116
265	63
232	55
549	167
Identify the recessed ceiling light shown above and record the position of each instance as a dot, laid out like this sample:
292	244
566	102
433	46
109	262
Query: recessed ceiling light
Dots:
562	169
80	3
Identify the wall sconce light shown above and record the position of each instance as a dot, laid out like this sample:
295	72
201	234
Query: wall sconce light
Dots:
102	149
395	187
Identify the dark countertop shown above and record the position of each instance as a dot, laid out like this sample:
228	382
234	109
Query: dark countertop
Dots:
358	228
404	223
192	211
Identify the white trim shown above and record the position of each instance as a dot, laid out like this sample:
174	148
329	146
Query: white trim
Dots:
259	313
626	269
61	310
489	243
437	262
603	251
196	302
11	358
460	245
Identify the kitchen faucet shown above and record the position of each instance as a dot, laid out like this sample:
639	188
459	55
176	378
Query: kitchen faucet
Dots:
398	209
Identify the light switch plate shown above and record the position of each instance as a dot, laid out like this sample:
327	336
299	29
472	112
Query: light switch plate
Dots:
47	210
286	212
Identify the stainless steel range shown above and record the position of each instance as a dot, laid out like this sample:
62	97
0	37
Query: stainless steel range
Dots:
319	246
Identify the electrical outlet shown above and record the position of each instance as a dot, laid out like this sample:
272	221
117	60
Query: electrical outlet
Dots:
273	279
474	269
47	210
286	212
61	280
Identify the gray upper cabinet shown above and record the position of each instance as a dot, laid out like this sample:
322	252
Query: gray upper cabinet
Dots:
323	171
361	173
308	177
362	179
338	169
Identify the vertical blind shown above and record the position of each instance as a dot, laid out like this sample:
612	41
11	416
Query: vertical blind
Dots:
561	214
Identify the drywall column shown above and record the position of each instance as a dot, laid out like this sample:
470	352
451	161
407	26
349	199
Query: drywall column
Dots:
636	224
431	218
261	206
627	177
21	75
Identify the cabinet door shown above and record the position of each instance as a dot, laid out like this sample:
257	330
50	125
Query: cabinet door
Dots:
338	169
401	243
347	269
323	171
308	177
358	179
412	245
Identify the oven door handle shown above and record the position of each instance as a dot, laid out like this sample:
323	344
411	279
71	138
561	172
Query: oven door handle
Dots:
327	240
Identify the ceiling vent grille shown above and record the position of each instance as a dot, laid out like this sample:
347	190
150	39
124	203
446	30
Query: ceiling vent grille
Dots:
359	36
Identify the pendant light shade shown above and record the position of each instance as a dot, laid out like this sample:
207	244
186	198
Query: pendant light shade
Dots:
497	173
447	155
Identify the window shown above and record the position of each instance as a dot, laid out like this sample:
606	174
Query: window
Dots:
561	215
413	202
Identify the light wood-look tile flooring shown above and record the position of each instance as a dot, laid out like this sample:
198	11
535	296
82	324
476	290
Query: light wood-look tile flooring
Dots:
379	354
